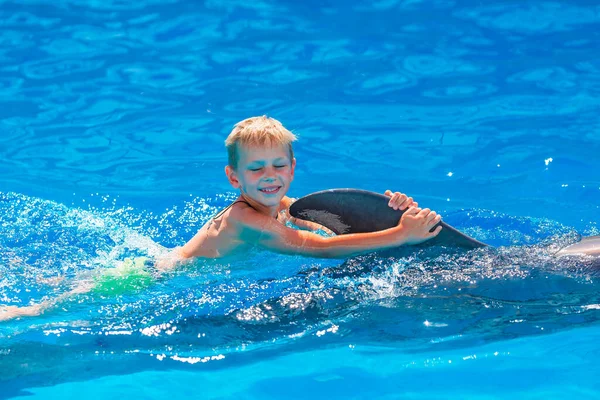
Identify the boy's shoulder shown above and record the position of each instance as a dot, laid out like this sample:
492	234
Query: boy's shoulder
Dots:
245	214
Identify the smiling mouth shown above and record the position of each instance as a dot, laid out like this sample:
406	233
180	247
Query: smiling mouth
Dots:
270	189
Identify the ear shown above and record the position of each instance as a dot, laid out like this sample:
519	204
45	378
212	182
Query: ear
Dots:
293	167
232	177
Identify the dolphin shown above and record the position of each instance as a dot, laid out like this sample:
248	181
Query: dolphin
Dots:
355	211
589	246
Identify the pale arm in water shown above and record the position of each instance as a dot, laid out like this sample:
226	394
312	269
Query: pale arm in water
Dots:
413	228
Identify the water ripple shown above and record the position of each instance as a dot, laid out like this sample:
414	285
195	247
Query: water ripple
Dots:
25	19
57	68
142	75
557	79
431	65
380	84
462	91
10	86
532	18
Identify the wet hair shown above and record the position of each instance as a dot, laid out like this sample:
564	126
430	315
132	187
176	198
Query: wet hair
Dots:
257	131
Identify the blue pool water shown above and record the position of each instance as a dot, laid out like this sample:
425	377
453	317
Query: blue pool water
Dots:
112	120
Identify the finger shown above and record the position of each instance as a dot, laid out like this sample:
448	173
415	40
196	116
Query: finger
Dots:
432	215
436	220
435	232
392	199
412	211
424	212
406	203
398	198
388	193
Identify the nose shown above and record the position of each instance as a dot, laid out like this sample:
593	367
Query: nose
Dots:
270	174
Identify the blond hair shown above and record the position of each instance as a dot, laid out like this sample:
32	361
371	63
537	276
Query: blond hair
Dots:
257	131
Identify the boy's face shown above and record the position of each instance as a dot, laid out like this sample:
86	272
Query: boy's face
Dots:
263	173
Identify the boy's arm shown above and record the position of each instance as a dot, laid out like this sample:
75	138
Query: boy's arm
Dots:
179	255
413	228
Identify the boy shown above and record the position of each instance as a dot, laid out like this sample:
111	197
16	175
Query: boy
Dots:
261	165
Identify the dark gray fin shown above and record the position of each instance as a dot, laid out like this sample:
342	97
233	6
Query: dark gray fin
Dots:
356	211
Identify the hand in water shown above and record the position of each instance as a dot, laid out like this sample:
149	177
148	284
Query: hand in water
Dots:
169	261
11	312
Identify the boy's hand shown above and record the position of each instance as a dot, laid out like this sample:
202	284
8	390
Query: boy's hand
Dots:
400	201
170	260
416	224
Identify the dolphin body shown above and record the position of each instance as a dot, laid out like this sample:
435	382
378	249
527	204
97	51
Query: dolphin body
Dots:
589	246
356	211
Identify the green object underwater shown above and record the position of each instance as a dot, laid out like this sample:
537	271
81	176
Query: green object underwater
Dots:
131	276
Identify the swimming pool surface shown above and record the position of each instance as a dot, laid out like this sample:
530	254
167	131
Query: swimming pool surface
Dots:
112	120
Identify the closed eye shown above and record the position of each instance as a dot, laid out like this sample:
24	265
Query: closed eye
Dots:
260	168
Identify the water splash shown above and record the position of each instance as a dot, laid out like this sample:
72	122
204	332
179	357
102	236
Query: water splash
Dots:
218	312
